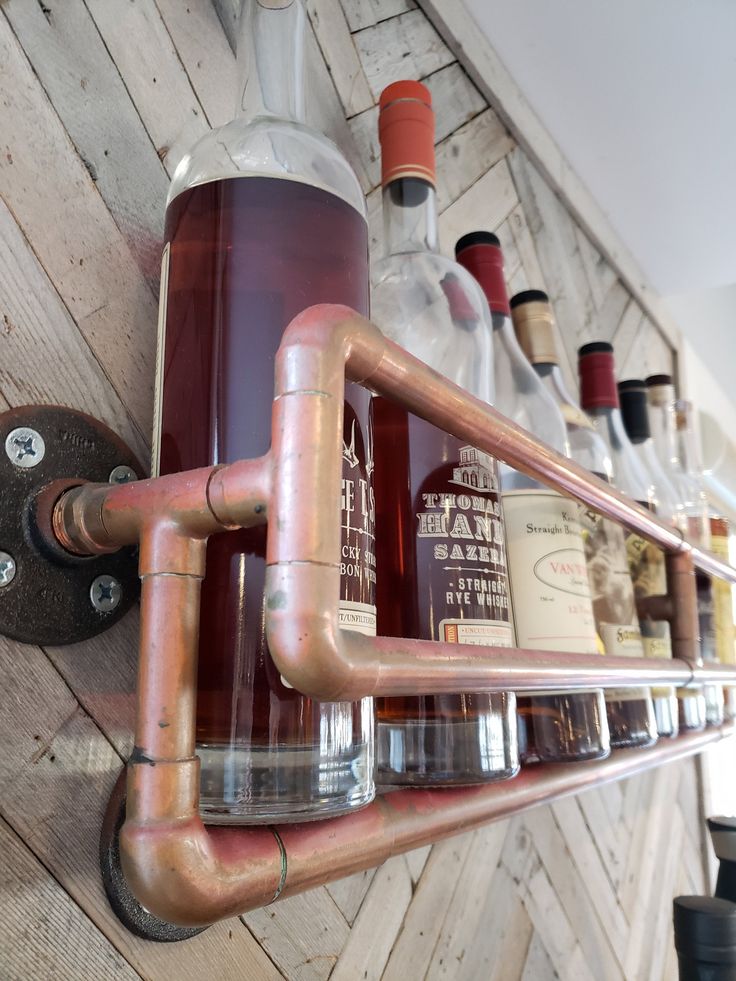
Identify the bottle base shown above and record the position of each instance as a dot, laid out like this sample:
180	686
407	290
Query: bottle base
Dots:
714	704
691	709
286	785
729	703
632	723
447	753
563	728
666	715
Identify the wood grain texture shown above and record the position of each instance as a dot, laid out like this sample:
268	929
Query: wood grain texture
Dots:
578	890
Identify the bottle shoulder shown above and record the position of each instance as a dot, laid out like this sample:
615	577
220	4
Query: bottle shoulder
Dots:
268	147
434	309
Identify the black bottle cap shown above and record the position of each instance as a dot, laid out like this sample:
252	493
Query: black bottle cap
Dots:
632	395
721	823
595	347
476	238
653	380
705	928
529	296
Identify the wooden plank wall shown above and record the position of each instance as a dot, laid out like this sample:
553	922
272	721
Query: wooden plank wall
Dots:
98	101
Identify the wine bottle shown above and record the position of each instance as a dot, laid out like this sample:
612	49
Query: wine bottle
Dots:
553	609
265	217
694	521
441	554
611	586
642	715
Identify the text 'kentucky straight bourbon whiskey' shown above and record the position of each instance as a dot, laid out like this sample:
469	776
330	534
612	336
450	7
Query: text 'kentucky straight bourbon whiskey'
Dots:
442	571
265	218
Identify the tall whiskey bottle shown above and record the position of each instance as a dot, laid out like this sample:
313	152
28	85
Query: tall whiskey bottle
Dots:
611	586
442	568
549	579
264	218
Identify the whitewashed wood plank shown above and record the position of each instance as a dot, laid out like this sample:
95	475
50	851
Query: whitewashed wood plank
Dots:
538	964
455	100
647	354
603	832
28	680
43	357
655	953
378	923
68	945
464	948
468	153
626	332
567	882
338	50
153	75
592	871
304	935
511	257
518	282
612	796
79	766
600	274
554	928
366	13
506	958
102	673
526	248
413	951
403	47
73	234
610	314
348	894
205	53
484	205
416	861
86	91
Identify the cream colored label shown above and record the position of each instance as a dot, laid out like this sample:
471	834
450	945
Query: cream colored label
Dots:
722	597
482	633
160	352
549	579
360	617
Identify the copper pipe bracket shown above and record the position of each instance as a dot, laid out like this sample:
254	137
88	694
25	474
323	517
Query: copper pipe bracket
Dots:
49	595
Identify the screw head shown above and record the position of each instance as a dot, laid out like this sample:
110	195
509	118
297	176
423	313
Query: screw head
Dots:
105	593
25	447
7	569
122	475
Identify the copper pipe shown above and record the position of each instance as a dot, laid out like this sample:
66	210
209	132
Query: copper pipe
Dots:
190	875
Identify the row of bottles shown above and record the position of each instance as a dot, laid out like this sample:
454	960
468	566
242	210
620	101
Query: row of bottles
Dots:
439	540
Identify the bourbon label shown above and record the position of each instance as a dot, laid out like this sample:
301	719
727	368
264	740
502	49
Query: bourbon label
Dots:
460	536
549	578
612	591
648	574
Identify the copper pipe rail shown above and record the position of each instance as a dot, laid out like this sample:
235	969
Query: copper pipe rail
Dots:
166	851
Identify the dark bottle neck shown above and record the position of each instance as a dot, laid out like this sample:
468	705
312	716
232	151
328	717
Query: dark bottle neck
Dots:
271	52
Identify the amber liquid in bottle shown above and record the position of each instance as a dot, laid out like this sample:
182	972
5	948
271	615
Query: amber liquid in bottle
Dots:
441	576
245	255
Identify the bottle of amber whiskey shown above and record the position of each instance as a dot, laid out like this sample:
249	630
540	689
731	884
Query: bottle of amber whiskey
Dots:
265	217
442	569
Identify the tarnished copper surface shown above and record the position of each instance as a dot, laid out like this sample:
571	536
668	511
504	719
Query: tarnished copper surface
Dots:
191	875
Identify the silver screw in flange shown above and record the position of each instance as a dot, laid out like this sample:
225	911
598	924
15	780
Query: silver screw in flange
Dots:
7	569
105	593
25	447
122	475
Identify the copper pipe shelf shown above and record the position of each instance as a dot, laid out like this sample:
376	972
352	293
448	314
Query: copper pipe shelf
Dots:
190	875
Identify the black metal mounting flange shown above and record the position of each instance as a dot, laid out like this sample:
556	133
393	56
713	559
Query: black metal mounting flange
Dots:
126	907
48	596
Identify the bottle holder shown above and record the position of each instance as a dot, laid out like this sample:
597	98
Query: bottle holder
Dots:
190	876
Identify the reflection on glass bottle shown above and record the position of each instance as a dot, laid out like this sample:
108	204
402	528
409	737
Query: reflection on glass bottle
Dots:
265	217
549	578
442	571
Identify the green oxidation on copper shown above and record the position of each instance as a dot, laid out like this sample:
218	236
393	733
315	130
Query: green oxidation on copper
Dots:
277	600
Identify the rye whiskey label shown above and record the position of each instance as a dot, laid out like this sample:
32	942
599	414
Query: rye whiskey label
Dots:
549	578
357	609
460	534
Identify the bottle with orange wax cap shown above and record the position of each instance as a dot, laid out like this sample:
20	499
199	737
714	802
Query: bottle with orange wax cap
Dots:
440	548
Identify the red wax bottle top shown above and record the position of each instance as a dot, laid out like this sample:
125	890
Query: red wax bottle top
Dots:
406	132
480	253
597	378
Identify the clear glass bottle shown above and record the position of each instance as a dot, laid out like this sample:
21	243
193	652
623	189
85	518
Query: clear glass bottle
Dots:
265	217
693	520
553	609
441	554
599	399
611	586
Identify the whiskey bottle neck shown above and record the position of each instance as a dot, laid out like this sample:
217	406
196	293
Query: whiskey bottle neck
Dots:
409	216
271	50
